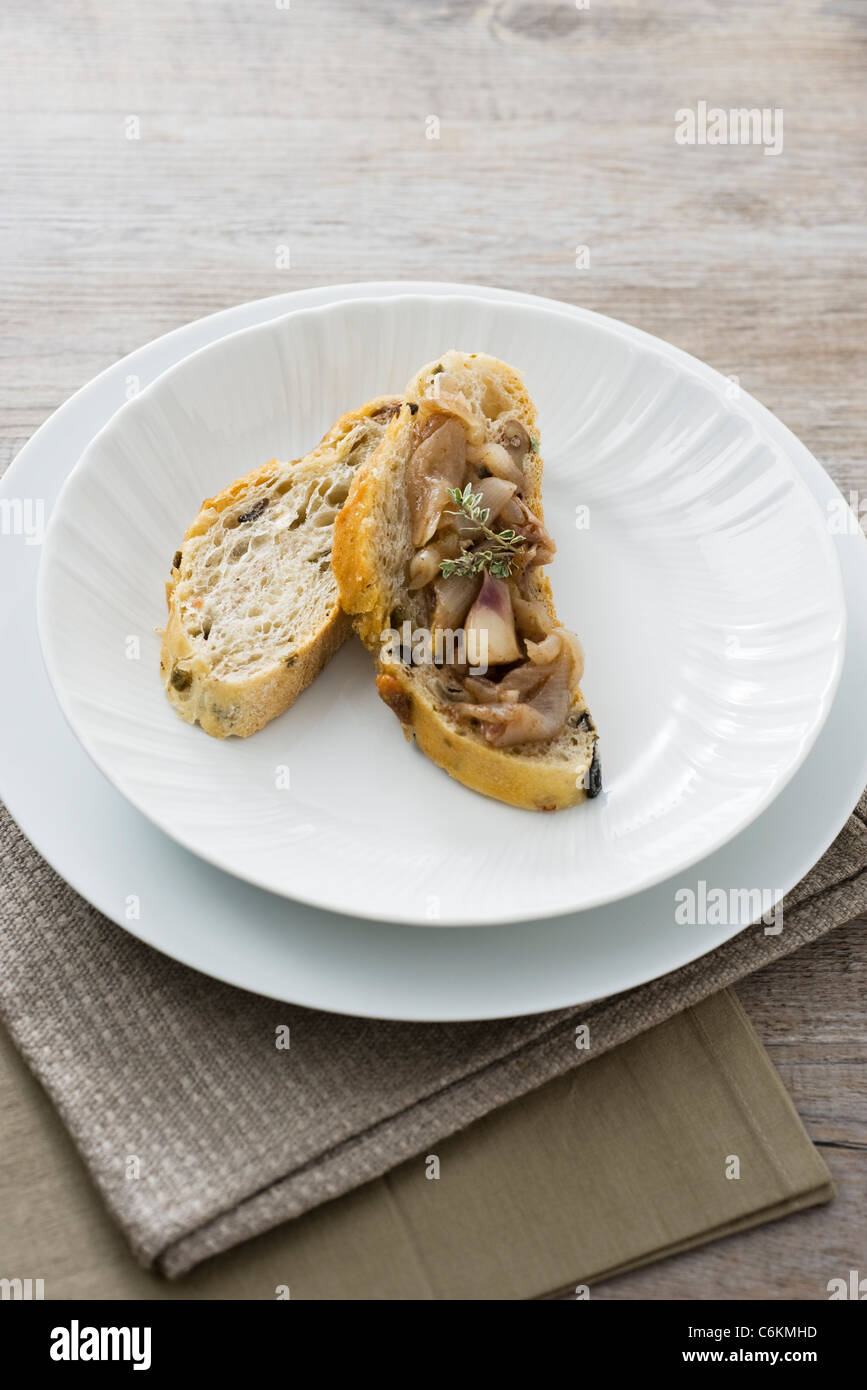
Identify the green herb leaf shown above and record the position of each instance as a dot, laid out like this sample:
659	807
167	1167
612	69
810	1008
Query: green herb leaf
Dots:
499	558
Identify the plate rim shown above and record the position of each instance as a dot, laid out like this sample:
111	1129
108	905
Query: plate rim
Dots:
100	397
397	915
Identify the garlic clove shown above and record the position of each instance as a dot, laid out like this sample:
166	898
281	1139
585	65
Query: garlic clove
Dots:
490	625
499	462
495	493
424	566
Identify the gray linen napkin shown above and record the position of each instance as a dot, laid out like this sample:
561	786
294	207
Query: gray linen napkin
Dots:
201	1133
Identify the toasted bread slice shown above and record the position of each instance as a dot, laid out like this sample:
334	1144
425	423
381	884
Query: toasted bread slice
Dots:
390	543
253	607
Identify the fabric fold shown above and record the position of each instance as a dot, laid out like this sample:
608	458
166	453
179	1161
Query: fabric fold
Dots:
201	1133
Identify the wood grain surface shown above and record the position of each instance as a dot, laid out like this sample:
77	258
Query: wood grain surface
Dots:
158	159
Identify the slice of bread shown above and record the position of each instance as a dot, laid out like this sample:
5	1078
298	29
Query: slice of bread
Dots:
379	538
253	607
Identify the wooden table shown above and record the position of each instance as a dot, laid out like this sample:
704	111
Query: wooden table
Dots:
158	159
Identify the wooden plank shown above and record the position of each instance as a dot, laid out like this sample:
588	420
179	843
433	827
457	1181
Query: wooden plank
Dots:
262	126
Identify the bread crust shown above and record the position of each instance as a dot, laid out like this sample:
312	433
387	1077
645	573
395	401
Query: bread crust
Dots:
539	784
365	562
240	705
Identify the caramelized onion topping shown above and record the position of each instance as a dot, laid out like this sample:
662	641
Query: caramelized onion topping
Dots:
539	713
438	464
453	599
534	667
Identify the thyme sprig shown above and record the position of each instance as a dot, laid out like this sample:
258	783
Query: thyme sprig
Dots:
497	558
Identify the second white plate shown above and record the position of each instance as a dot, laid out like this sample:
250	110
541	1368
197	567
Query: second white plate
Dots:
692	561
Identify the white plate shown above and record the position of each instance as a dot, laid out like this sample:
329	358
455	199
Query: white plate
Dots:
706	591
219	925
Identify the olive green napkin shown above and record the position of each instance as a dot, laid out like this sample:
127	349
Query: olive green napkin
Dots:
677	1137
